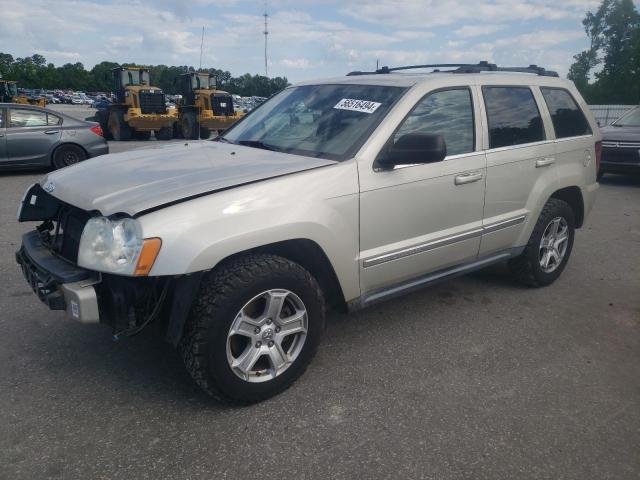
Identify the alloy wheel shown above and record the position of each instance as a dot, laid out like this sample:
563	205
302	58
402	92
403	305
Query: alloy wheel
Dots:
267	335
553	245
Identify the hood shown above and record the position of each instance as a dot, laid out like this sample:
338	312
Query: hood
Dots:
620	134
139	180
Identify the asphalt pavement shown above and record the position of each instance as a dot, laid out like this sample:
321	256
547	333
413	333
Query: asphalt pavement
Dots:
477	378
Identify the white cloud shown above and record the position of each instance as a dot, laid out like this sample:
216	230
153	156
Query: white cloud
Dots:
295	62
467	31
308	38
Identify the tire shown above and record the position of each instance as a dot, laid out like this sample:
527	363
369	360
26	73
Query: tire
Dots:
528	266
190	127
142	135
165	133
118	128
207	345
177	130
204	133
67	155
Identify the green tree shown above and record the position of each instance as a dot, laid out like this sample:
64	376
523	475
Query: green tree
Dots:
614	34
101	78
35	72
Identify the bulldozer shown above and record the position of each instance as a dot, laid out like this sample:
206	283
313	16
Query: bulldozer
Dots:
9	94
203	109
138	110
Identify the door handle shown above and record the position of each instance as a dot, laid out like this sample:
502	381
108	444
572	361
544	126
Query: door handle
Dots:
468	177
51	132
544	162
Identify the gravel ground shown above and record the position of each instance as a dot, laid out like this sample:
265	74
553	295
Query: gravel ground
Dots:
477	378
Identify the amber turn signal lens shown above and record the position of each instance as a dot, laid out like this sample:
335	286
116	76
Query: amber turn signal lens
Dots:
150	250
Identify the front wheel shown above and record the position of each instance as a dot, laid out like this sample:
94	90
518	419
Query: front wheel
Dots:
165	133
253	329
549	247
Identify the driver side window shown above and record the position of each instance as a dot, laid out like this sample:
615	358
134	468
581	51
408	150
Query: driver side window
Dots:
446	112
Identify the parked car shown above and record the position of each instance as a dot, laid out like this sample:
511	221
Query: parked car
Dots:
621	145
33	137
341	193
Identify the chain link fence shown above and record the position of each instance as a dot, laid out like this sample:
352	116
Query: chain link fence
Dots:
607	114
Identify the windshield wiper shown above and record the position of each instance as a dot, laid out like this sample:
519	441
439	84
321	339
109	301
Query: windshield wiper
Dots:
222	139
258	144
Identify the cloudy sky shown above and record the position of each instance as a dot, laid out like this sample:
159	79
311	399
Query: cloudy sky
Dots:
308	38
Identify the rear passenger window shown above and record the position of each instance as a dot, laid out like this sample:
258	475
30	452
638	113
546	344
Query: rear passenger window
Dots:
27	118
513	116
568	120
448	113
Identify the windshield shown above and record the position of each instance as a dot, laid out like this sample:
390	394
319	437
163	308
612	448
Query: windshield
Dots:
631	119
203	81
325	121
13	89
135	77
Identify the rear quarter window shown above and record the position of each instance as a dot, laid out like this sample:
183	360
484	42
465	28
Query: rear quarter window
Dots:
567	117
53	119
513	116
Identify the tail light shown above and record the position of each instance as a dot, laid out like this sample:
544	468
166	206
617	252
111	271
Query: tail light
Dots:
97	130
598	155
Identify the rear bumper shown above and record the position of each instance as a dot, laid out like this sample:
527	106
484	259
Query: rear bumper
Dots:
57	283
97	150
589	194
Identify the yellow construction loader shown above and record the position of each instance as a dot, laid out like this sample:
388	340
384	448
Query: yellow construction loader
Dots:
139	108
9	94
203	109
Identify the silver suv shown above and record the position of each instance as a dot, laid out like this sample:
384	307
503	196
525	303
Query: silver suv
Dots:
341	193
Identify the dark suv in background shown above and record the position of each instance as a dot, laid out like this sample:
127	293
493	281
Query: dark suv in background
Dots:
621	145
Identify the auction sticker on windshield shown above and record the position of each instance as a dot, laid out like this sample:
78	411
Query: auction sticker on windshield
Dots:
363	106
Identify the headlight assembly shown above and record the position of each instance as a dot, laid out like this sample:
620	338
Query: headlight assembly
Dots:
117	246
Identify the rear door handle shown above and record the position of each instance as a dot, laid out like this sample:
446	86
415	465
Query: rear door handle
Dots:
544	162
468	177
51	132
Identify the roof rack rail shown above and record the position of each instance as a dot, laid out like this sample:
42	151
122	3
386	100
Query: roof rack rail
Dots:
483	66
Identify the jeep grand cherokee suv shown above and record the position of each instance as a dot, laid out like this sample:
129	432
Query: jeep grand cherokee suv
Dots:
342	192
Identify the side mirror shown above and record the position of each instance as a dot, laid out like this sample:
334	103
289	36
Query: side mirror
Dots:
414	148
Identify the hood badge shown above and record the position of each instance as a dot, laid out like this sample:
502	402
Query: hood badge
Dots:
49	187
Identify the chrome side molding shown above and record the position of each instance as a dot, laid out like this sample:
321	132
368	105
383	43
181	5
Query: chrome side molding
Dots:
441	242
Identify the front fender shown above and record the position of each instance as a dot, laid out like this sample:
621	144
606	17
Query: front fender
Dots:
319	205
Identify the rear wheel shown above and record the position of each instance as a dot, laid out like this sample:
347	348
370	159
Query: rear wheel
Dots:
253	329
67	155
165	133
190	127
118	128
549	247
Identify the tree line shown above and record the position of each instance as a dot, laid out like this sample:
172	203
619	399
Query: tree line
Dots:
608	72
36	72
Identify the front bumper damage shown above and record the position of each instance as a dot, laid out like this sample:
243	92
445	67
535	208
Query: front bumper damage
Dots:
124	303
57	283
